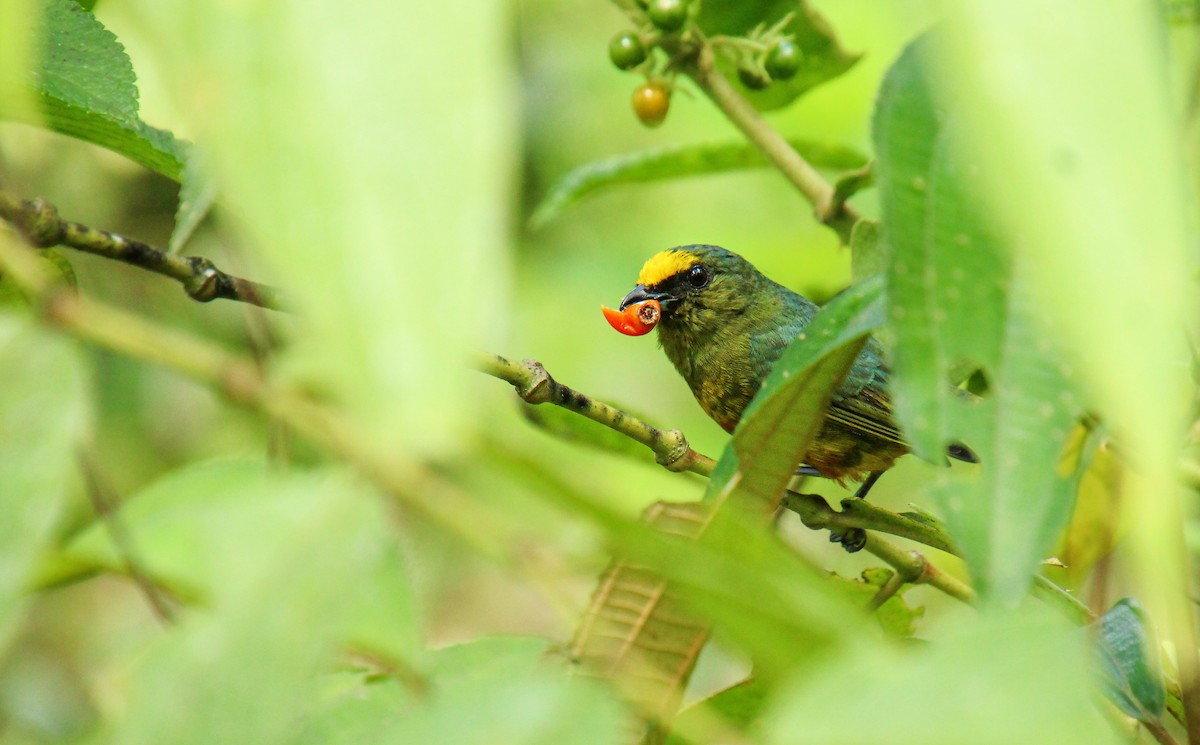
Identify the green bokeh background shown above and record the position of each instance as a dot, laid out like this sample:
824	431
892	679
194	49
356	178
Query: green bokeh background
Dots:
563	105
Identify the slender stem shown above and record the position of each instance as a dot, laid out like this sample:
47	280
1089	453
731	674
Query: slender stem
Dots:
104	504
815	513
201	279
1068	604
913	567
819	193
535	386
1189	682
1160	733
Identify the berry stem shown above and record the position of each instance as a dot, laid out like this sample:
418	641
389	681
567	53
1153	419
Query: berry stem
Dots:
819	192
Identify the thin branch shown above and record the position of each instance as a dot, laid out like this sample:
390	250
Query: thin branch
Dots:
104	504
914	568
1160	733
1068	604
829	210
815	513
535	386
38	220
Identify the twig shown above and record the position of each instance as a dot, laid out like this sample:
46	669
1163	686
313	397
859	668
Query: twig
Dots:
201	279
104	505
849	184
914	568
1068	604
535	386
830	211
815	513
1160	733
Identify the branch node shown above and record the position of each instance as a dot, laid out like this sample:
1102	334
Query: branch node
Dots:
540	387
916	571
38	220
204	283
674	451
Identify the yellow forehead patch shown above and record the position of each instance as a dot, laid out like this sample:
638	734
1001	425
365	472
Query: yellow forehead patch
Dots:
663	265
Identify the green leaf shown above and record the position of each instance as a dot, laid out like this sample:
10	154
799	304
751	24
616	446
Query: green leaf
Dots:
85	83
946	275
292	566
783	418
868	250
824	58
83	65
896	617
487	691
197	529
43	415
677	161
196	197
739	705
388	298
992	680
1084	162
958	301
1127	654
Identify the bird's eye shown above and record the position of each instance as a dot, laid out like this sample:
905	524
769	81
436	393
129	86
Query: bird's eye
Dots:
697	276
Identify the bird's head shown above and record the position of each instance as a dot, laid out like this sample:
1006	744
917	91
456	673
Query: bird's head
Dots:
695	285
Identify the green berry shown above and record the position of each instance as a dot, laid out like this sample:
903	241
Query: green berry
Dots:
668	15
752	77
650	103
783	60
626	50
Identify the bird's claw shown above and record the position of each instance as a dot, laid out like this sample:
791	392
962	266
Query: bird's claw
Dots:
852	539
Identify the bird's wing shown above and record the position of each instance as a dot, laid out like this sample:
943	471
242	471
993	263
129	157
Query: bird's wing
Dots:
868	412
860	404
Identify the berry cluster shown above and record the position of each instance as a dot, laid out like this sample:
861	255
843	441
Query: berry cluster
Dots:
762	56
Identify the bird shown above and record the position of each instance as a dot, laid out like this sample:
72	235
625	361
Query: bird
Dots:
722	323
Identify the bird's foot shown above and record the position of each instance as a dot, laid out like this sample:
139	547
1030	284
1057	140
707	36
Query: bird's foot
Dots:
852	539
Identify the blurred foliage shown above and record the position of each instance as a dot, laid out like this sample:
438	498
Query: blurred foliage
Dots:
959	298
1031	229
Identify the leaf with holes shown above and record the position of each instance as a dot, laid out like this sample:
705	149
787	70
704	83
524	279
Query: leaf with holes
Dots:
959	301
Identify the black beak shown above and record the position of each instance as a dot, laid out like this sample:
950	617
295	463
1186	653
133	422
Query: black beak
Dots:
640	294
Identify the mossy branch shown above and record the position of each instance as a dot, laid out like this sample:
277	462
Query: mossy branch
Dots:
536	386
816	513
38	220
